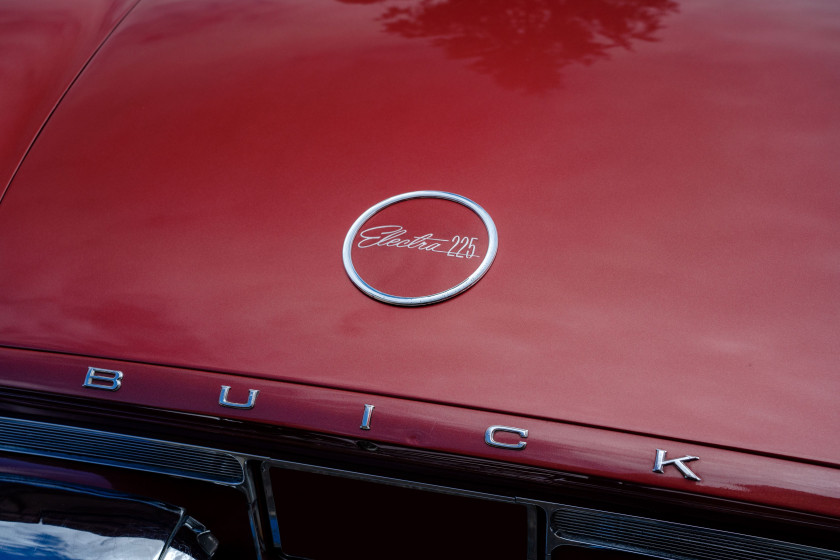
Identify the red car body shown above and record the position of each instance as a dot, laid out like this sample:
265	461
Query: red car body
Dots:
180	176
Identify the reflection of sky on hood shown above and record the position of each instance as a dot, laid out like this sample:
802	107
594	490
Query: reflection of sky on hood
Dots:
28	540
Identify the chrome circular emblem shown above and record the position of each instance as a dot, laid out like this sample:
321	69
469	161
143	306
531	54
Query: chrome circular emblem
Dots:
419	248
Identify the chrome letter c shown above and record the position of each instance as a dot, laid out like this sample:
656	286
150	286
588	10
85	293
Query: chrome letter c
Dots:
490	437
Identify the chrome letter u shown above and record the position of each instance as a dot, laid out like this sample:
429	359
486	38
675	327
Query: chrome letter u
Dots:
252	398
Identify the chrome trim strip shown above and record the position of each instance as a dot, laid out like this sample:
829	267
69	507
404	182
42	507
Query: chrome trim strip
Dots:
249	488
572	525
119	450
562	525
534	531
270	504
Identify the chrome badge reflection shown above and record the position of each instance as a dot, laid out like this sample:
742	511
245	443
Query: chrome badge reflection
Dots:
390	236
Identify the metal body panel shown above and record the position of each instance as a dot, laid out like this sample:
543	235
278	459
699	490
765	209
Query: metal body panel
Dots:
43	47
584	450
667	218
564	524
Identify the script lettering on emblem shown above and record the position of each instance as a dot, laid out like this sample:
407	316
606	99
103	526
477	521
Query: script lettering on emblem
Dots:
461	247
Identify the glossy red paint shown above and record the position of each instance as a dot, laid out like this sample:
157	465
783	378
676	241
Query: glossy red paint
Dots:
43	47
669	250
586	451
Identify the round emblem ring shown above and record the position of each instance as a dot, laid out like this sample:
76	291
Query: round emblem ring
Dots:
493	244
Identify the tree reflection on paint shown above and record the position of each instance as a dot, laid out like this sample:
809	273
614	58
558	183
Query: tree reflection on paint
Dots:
525	44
